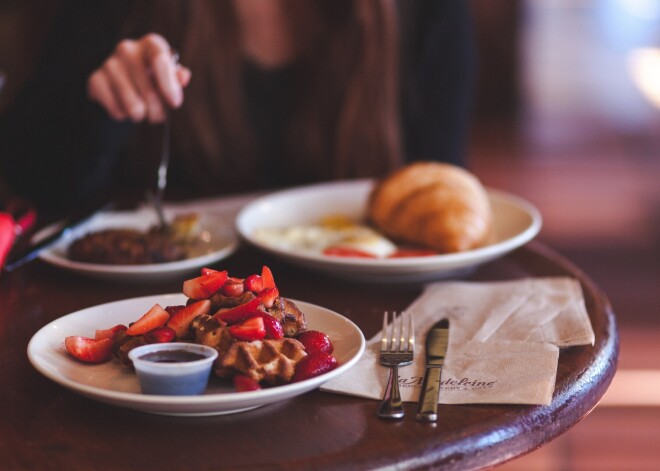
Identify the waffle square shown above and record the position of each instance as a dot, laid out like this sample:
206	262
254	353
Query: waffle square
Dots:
268	361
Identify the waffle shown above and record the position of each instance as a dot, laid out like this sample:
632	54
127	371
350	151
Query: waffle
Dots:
211	332
268	361
291	318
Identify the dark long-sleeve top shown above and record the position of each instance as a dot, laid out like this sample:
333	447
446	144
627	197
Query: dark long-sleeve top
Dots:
59	149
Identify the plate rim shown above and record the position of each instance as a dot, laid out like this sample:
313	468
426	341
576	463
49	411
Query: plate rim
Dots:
50	256
215	403
503	246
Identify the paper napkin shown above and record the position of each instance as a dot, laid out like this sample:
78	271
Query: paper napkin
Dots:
504	342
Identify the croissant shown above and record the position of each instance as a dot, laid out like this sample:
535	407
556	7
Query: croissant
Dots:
431	204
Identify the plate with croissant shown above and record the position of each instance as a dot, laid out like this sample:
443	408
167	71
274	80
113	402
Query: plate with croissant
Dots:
425	221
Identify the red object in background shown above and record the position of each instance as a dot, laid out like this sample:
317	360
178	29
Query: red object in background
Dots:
18	217
7	235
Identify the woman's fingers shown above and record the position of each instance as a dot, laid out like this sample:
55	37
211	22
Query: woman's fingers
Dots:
132	56
101	91
162	63
127	94
140	80
115	84
184	75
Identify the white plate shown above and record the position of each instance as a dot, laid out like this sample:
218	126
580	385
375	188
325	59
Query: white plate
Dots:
115	384
222	242
516	223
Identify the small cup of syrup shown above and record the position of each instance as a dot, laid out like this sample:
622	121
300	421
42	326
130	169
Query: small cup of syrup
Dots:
173	369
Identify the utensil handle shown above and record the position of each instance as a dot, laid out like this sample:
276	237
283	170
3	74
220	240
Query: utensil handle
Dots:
391	407
427	406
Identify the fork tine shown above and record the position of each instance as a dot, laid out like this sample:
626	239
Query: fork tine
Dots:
384	341
411	334
400	333
394	344
405	332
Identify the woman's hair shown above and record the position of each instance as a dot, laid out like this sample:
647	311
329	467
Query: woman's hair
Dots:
345	121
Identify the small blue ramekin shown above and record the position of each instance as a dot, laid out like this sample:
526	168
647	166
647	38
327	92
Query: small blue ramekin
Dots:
173	369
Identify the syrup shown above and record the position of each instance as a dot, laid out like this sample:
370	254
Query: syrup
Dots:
172	356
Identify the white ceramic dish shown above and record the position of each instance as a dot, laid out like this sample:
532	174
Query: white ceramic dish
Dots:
115	384
516	223
221	241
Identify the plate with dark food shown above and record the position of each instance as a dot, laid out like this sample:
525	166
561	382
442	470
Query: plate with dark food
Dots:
423	222
270	348
131	246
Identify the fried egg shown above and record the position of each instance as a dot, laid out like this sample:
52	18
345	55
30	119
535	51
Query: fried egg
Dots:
333	231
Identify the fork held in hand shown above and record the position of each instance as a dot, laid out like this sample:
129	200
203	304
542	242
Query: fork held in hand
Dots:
396	349
161	182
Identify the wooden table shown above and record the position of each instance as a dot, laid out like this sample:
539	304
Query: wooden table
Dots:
45	426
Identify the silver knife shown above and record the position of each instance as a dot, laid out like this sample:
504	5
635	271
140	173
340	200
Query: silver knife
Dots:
436	348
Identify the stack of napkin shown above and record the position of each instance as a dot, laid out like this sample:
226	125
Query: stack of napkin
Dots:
504	341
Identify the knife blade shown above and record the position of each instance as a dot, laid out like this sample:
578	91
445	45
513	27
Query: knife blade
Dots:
32	251
437	341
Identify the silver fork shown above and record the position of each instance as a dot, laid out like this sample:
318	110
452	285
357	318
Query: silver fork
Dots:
397	348
161	182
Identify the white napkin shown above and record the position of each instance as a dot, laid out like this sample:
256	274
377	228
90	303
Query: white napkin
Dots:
504	340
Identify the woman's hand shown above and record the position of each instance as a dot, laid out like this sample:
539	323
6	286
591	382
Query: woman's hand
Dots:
140	80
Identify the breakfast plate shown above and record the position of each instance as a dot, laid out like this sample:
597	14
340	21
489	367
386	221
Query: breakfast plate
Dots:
218	240
115	384
516	222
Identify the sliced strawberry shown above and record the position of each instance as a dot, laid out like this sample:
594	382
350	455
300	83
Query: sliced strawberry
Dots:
267	277
202	287
160	335
273	327
207	271
315	341
268	296
109	333
244	383
89	350
171	310
314	364
249	330
403	252
239	313
254	283
232	289
346	252
154	317
180	321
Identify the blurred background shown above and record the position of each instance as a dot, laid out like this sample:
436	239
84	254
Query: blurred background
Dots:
567	116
